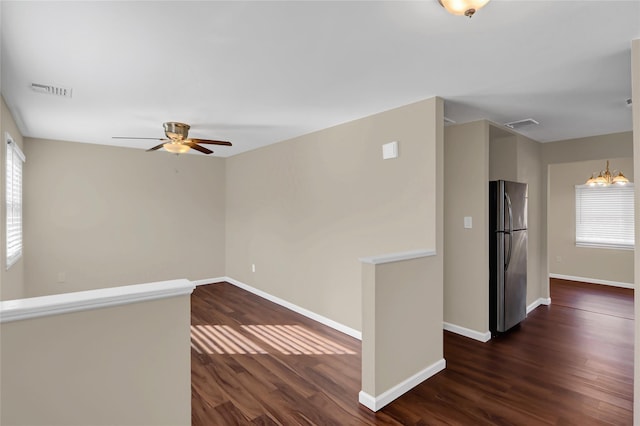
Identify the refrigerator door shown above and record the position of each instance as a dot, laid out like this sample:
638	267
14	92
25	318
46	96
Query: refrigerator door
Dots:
512	293
515	205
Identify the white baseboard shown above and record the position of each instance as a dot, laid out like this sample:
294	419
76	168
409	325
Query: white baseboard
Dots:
467	332
295	308
592	281
540	301
208	281
376	403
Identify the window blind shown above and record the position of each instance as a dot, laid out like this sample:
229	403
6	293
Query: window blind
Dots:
605	216
14	161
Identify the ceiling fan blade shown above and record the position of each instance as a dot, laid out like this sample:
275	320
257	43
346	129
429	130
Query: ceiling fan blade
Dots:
198	148
127	137
155	147
210	142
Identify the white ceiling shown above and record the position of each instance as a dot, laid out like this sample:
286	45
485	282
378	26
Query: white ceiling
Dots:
256	73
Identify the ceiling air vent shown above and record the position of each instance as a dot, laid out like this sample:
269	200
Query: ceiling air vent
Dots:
521	123
51	90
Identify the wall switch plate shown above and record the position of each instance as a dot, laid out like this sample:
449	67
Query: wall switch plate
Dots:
253	267
468	222
390	150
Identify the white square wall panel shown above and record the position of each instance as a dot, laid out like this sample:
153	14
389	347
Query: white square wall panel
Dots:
390	150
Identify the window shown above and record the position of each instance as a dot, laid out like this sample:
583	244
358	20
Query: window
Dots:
605	216
15	158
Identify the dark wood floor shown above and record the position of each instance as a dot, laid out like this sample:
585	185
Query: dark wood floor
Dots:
254	362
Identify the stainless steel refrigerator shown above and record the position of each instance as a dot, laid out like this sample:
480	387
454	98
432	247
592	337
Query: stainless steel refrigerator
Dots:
507	254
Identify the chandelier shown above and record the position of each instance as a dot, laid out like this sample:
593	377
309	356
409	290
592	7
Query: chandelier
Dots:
605	178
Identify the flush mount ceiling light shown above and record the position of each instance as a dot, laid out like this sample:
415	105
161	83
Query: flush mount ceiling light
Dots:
463	7
605	178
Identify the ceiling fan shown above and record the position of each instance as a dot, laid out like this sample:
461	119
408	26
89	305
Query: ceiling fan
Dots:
178	141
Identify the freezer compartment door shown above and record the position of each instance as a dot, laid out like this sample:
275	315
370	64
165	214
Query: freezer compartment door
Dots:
515	200
514	291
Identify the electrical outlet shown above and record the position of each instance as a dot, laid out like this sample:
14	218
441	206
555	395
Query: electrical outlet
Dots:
62	277
558	259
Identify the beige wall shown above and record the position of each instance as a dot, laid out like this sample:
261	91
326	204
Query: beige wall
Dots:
466	251
304	210
402	300
564	257
530	171
124	365
635	67
602	147
12	280
614	145
503	146
106	216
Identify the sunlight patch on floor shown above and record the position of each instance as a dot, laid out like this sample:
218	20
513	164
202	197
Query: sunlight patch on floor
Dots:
296	340
221	339
286	339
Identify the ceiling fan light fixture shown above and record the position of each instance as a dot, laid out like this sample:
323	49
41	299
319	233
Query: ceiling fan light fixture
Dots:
176	148
463	7
177	141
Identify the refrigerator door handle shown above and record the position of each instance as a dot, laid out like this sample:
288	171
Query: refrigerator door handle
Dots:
510	231
508	261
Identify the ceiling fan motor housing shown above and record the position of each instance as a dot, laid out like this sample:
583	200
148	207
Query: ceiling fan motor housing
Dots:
176	131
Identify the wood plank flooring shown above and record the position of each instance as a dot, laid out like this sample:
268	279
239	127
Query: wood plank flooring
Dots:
571	363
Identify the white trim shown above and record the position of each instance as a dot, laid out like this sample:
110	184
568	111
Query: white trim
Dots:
592	281
16	147
208	281
295	308
540	301
20	309
367	400
396	257
376	403
467	332
628	247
